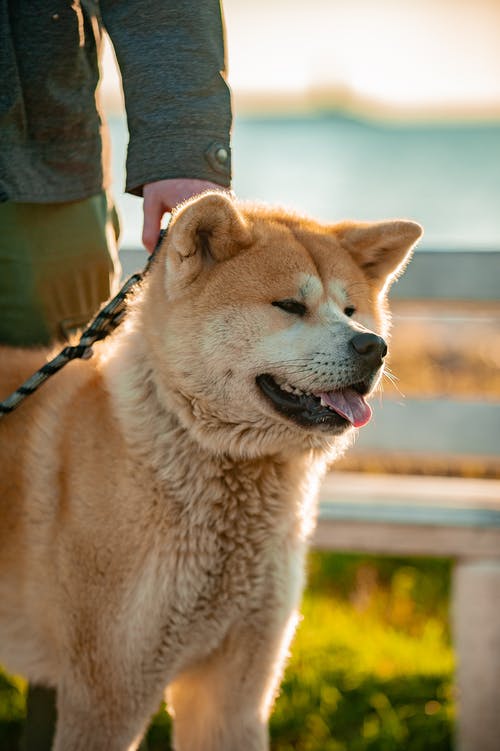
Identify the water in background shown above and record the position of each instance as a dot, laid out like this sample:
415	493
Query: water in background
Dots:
334	167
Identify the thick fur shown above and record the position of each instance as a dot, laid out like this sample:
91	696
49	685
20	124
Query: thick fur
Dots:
154	506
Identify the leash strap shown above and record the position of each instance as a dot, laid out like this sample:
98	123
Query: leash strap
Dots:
106	321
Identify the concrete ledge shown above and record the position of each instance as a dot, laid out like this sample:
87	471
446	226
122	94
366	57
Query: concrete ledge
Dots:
433	516
416	491
402	539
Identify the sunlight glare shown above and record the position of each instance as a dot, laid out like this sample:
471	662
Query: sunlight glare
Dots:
413	54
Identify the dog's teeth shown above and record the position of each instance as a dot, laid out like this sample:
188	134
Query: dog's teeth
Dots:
290	389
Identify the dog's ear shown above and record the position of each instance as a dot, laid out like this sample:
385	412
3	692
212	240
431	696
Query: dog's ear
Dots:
205	230
381	249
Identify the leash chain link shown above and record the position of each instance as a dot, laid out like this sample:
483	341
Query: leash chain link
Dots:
103	324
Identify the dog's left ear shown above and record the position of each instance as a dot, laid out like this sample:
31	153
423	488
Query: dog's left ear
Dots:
205	230
381	249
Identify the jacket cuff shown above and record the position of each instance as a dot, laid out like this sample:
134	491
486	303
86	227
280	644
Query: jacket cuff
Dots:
195	156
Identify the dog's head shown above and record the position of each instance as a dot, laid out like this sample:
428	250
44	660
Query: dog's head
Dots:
267	329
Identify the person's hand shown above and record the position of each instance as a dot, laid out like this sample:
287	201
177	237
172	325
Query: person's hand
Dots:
161	197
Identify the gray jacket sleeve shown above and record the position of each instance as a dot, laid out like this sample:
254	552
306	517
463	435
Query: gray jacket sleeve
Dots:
171	57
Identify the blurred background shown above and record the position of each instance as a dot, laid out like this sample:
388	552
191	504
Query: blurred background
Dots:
359	108
372	109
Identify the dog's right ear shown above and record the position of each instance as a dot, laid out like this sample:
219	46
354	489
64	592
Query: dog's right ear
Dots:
204	231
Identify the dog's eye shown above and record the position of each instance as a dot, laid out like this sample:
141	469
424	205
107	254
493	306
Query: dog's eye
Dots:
291	306
349	311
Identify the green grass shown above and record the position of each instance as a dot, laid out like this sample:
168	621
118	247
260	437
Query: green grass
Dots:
370	669
371	665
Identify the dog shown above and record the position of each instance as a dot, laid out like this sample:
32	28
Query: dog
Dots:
156	501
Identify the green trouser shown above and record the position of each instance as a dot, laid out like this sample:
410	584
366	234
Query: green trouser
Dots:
58	263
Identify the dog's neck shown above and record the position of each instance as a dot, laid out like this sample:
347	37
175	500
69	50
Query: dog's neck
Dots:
162	445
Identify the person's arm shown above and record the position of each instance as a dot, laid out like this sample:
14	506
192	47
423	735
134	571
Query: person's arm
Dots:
171	57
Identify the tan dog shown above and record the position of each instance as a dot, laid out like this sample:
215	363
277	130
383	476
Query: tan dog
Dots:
156	500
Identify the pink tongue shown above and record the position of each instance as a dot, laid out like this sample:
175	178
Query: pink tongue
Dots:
349	404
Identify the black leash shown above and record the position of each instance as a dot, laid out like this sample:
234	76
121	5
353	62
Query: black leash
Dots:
103	324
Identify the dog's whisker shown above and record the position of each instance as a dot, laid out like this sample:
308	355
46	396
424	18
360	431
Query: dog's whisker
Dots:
390	375
289	362
393	379
298	369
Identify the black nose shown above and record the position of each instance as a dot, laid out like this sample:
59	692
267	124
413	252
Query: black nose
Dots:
370	346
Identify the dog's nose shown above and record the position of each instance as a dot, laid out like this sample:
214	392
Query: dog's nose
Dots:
370	346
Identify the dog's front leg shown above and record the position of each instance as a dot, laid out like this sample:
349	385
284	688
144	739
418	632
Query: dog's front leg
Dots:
223	703
100	718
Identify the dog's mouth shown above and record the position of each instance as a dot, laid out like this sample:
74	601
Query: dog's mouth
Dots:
328	410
